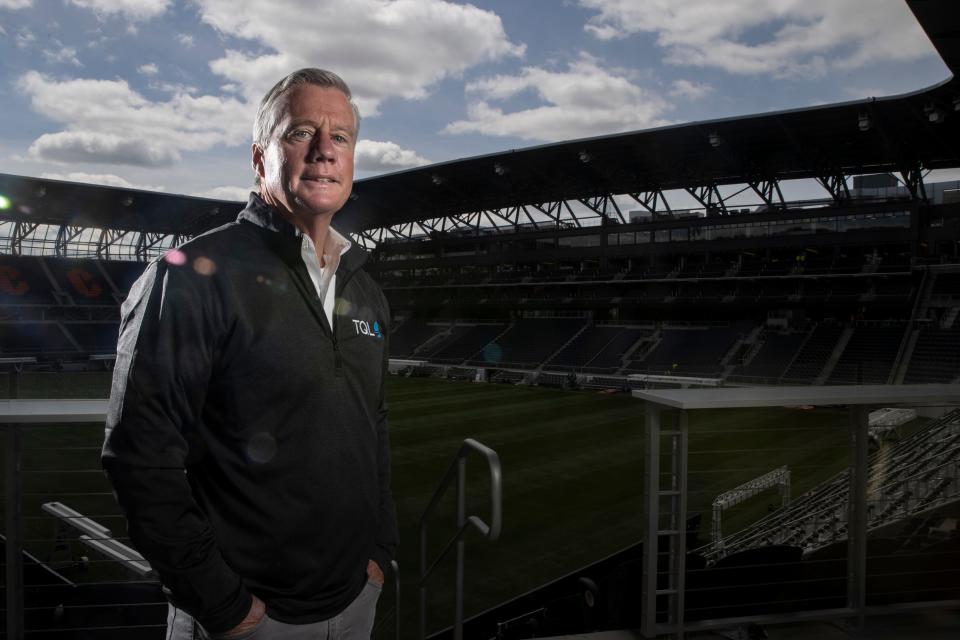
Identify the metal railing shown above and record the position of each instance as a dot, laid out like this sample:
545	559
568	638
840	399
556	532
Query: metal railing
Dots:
863	512
26	508
458	469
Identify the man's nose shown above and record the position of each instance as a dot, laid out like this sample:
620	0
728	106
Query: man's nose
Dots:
322	147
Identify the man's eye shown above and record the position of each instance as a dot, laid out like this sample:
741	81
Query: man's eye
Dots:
340	138
300	134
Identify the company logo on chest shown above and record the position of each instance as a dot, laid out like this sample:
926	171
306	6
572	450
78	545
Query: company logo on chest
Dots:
362	327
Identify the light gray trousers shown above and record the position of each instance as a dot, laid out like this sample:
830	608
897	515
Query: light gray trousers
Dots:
353	623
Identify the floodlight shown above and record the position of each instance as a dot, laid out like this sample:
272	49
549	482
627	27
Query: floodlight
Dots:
4	202
863	122
584	157
934	114
715	139
436	179
499	169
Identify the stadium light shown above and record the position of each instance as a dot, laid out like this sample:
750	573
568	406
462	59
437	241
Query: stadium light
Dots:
437	180
4	202
864	123
499	169
715	139
584	157
934	114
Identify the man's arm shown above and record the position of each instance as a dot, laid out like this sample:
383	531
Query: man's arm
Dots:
387	535
168	335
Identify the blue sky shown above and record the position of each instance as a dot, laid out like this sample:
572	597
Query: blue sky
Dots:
160	94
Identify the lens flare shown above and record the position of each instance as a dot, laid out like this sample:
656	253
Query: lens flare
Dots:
4	202
175	257
204	266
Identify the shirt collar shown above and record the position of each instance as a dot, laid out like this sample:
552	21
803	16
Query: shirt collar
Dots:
261	214
334	247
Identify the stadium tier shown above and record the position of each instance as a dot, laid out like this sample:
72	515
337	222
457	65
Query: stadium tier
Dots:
910	479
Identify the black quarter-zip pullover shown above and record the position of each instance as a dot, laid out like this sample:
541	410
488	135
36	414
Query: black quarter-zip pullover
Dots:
246	438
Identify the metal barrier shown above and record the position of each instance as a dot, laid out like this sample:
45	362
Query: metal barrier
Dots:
458	469
856	506
122	573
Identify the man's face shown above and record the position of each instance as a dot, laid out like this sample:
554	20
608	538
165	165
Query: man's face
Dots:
307	167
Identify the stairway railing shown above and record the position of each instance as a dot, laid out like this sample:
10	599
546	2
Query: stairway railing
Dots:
458	470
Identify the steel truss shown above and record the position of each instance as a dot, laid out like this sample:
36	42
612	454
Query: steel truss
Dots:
609	207
87	242
836	185
21	231
599	210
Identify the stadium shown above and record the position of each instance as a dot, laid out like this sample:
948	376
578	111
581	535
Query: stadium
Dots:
732	418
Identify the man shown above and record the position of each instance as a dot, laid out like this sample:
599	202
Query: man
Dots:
246	437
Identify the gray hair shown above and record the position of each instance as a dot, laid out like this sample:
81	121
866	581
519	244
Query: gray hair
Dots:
268	113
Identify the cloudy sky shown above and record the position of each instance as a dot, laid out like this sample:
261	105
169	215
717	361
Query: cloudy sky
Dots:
160	94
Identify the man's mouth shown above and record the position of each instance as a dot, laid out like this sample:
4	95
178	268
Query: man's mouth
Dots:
322	179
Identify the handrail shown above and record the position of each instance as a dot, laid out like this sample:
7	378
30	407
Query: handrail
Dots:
490	531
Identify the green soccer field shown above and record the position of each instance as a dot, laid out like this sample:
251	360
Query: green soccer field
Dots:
572	475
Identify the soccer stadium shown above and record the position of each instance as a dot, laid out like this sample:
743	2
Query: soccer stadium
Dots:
609	416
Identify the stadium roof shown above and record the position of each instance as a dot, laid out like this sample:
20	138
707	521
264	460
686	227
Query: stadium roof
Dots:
893	134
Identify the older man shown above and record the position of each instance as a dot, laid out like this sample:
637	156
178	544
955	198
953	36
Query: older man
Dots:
247	436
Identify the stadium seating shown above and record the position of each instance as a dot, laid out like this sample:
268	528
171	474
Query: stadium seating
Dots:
94	337
81	281
23	282
689	351
913	476
409	335
465	341
34	338
769	362
869	356
947	285
599	349
936	356
812	357
123	274
529	342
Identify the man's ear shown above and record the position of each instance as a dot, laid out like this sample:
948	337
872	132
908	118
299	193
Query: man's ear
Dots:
256	159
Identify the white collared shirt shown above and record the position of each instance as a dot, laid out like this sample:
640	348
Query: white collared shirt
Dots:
325	278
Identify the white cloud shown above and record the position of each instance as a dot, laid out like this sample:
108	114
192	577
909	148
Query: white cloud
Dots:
803	37
107	122
98	147
106	179
690	90
24	38
380	48
66	55
236	194
377	156
173	87
129	9
149	69
185	40
585	100
15	4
